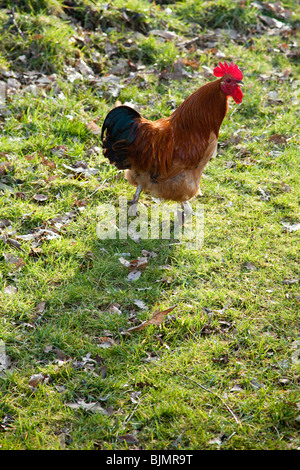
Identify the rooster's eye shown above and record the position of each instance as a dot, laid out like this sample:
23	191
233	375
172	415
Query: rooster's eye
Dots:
228	80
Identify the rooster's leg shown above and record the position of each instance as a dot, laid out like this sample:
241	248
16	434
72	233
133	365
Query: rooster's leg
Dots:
136	196
134	201
186	211
186	208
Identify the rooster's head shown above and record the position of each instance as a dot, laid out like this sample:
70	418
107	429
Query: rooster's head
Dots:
231	79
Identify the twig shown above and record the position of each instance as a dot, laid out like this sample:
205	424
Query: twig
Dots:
97	189
11	242
189	42
204	388
15	23
127	418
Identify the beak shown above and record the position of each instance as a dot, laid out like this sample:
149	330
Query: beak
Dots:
240	82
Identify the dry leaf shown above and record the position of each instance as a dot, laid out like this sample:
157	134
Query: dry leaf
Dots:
13	243
94	407
249	266
237	388
4	223
290	227
140	304
40	197
129	438
134	275
40	307
81	169
10	290
46	162
11	259
278	139
289	282
114	308
37	379
140	262
4	168
296	352
124	262
151	254
106	342
93	128
155	320
4	359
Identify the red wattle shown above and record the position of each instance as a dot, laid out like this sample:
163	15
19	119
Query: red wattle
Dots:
237	95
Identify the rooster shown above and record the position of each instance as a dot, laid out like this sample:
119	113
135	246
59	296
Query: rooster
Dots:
166	158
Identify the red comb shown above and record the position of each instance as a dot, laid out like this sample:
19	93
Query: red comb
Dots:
231	69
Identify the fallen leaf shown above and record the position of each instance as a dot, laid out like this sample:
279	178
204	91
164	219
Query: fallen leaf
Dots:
37	379
59	150
278	139
221	360
140	304
82	169
217	440
4	223
4	168
46	162
264	195
129	438
11	259
151	254
124	261
236	388
40	307
134	275
273	95
10	290
291	227
83	67
60	355
93	128
115	309
141	263
175	72
94	407
249	266
289	282
6	423
286	187
296	353
40	197
155	320
106	342
4	359
256	384
5	187
13	243
272	22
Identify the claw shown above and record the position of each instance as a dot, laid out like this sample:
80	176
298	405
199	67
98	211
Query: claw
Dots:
132	211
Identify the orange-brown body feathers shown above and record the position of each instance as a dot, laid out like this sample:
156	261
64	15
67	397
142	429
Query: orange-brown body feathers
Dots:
166	157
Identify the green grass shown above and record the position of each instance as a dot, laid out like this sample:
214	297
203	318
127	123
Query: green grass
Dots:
221	371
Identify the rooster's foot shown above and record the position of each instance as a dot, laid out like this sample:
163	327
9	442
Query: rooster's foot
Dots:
132	211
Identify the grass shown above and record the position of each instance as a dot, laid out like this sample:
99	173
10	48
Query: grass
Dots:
221	371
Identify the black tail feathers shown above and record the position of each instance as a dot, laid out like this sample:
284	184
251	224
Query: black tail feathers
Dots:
120	126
